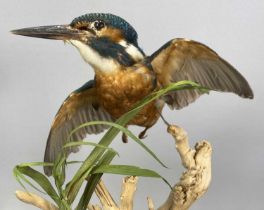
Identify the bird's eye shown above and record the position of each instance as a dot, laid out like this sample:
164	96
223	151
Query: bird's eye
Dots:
99	25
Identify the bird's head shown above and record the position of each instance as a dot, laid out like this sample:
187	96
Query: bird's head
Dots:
105	41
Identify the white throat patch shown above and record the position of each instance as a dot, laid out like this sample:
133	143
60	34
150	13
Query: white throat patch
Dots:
94	59
133	51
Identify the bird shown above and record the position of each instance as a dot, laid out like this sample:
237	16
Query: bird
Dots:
124	74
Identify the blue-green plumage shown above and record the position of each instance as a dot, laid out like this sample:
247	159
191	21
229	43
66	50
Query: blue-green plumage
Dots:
130	33
85	86
109	49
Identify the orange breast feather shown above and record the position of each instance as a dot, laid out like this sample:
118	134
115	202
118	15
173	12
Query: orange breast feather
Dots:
119	91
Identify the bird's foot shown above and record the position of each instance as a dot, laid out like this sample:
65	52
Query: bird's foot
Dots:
124	138
142	134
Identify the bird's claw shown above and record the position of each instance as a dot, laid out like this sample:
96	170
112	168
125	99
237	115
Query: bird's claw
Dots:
124	138
142	134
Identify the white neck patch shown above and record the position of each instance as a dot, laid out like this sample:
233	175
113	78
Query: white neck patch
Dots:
133	51
94	59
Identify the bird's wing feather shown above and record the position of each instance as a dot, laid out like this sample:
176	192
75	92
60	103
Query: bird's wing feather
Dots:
80	107
181	59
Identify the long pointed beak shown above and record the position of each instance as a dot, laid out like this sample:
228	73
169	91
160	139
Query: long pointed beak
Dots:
57	32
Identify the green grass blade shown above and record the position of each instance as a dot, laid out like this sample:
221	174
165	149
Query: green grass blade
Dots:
42	181
21	178
74	185
93	181
121	128
91	160
58	172
72	191
74	162
88	191
128	170
31	164
79	143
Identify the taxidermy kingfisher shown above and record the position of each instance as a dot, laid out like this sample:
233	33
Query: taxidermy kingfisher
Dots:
124	75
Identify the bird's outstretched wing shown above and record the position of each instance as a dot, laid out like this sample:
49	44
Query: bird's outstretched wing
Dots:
80	107
182	59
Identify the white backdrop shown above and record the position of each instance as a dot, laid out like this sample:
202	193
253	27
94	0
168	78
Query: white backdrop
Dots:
36	75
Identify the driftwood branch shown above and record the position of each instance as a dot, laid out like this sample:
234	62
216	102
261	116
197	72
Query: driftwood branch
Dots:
35	200
196	180
193	183
126	198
